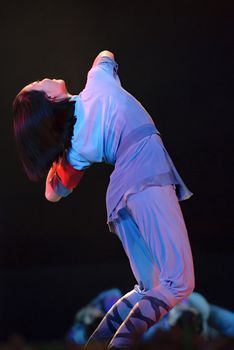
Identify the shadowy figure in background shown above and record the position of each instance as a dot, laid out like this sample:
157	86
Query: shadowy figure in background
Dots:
194	315
87	319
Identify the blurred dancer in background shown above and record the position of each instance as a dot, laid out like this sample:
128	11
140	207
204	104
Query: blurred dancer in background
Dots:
194	314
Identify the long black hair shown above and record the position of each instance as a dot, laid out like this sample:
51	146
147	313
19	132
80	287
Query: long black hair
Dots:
43	130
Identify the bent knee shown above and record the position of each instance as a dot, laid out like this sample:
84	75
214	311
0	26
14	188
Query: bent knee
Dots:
181	289
188	288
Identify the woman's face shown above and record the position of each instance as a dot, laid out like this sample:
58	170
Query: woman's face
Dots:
54	89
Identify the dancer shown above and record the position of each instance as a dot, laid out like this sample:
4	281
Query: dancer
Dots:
62	135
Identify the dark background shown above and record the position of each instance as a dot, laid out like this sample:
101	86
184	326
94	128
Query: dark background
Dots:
175	57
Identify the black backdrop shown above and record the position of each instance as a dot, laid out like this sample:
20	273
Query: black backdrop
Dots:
175	57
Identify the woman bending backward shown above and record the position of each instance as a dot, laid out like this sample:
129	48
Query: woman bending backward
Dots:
60	135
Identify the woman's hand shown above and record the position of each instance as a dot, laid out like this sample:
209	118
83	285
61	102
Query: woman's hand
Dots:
50	195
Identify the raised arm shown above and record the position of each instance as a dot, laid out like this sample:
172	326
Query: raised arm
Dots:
103	53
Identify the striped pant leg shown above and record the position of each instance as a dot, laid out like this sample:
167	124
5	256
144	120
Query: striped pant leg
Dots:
160	223
144	270
113	319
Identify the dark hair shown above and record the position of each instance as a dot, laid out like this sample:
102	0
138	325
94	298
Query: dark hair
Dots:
42	129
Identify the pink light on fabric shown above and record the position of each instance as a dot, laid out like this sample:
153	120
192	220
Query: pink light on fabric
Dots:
69	176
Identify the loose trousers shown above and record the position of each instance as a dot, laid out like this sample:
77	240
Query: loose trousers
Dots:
154	236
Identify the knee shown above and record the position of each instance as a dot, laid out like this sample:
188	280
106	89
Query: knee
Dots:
181	289
186	288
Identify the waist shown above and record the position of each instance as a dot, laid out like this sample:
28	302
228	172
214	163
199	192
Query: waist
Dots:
135	136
